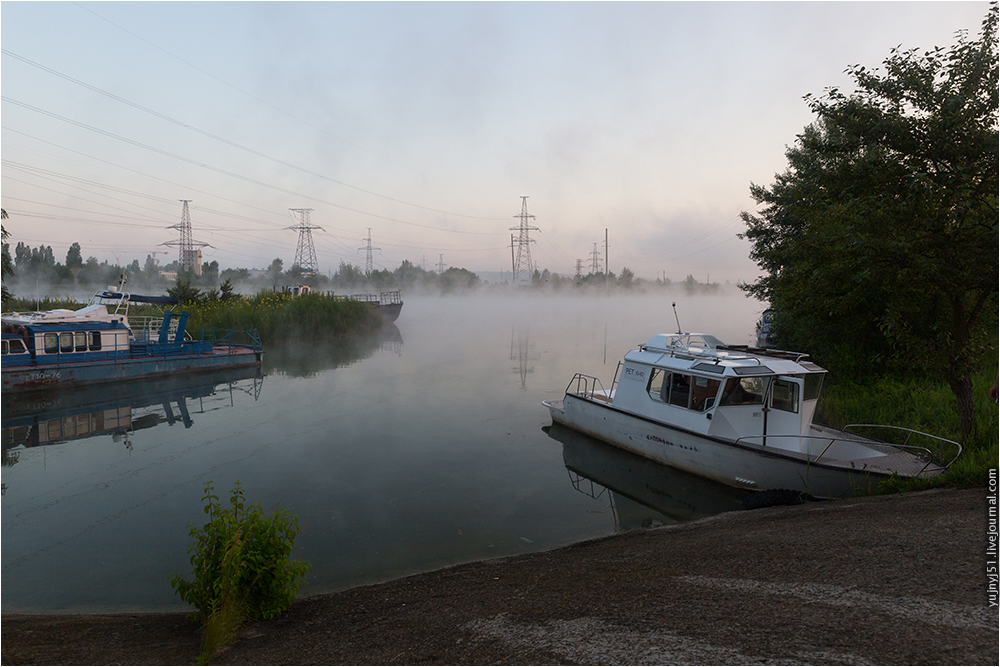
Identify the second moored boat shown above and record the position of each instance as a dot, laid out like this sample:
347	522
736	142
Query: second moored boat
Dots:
739	415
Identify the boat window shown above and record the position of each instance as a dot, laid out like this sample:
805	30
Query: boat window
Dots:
51	343
684	391
703	393
785	396
744	391
709	368
80	341
66	341
814	382
95	340
659	387
16	346
4	348
680	390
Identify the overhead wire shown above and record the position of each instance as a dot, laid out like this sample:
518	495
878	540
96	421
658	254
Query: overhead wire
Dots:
233	144
280	110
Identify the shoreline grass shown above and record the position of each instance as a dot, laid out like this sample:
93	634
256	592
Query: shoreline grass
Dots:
926	406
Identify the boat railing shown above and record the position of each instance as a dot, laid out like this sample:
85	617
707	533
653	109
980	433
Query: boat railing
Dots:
232	338
390	298
614	382
587	386
923	454
365	298
909	432
146	328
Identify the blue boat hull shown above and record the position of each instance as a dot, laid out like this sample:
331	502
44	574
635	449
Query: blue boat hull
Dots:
38	377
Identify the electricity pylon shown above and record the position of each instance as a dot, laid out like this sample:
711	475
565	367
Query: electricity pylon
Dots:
369	248
595	260
305	251
522	263
189	253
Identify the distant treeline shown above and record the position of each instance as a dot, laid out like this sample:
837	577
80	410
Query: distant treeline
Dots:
35	270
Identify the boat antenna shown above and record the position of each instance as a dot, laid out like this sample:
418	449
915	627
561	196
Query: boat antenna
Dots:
677	319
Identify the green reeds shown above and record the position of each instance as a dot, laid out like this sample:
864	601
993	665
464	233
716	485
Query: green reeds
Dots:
279	317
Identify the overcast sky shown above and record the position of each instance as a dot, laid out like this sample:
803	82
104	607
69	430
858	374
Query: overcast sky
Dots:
425	122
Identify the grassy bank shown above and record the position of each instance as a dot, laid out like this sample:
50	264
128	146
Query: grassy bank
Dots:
924	406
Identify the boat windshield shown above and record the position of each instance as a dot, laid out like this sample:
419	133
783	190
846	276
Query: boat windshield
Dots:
744	391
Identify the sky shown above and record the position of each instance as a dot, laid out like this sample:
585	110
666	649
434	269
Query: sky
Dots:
425	123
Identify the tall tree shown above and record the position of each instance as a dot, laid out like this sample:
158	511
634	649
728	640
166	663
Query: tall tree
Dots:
879	243
73	256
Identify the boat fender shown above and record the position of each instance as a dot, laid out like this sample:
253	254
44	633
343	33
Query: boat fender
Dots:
775	498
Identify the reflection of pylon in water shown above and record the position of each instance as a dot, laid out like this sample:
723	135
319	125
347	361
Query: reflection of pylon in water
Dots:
522	262
305	251
522	357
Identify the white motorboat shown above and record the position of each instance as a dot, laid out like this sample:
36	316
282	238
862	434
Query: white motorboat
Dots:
739	415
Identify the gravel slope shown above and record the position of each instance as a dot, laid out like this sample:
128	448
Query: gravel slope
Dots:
878	580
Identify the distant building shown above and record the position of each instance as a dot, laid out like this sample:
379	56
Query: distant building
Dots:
191	259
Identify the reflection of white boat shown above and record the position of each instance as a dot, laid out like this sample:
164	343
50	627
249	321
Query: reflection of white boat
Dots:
735	414
642	493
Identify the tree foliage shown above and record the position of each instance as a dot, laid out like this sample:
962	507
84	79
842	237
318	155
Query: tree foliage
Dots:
878	244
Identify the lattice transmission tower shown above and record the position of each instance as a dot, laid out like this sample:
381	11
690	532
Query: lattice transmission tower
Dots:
305	251
189	250
522	261
369	248
595	260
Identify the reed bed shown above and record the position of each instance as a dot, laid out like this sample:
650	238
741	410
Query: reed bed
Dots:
280	317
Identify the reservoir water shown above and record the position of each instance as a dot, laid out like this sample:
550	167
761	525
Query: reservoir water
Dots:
417	449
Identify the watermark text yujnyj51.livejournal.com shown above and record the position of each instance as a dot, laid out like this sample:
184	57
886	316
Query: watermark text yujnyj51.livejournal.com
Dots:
992	573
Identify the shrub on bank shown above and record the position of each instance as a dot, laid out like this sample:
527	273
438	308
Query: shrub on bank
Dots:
242	569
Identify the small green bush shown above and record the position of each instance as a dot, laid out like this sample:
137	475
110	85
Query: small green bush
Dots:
242	571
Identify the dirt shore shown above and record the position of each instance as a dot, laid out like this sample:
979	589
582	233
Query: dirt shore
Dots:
879	580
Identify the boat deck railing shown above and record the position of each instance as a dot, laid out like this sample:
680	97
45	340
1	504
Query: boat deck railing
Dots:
380	299
903	458
232	338
909	433
146	328
587	386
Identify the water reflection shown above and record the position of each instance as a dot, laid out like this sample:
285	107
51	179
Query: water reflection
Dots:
520	351
640	493
118	410
307	359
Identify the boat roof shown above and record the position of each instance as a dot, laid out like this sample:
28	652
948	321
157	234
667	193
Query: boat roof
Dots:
704	353
92	313
137	298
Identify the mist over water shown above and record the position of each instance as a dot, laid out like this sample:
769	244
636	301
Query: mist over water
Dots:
422	447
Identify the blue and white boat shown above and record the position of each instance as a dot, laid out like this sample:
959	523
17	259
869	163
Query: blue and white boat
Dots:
742	416
93	345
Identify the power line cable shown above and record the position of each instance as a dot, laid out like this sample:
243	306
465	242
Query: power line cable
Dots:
233	144
280	110
231	174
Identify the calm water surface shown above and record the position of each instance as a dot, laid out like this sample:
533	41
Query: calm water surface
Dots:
424	447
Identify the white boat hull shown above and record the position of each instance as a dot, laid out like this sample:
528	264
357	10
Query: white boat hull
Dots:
744	466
